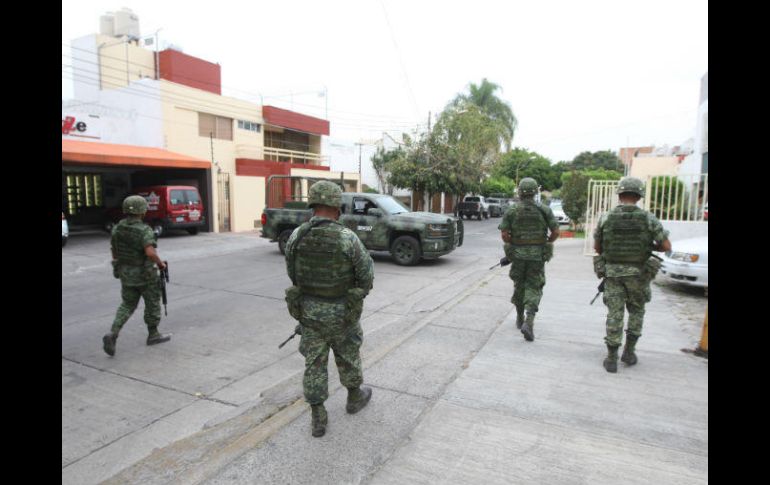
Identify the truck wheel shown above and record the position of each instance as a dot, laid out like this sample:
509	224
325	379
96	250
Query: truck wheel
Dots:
406	251
486	215
157	228
192	230
481	216
283	238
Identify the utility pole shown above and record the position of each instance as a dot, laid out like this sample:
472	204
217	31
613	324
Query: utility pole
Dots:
360	185
430	199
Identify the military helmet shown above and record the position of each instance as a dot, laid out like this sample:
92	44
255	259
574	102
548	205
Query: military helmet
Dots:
135	204
325	193
527	187
632	185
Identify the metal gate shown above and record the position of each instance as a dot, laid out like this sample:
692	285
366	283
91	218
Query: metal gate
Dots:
669	198
223	198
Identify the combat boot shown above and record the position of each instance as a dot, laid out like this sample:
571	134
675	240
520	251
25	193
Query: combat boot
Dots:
358	398
109	343
519	317
629	357
611	361
156	337
527	329
320	419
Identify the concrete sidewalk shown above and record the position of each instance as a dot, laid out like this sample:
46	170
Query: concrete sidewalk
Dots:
462	398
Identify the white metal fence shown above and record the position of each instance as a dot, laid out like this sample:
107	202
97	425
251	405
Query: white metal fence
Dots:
682	198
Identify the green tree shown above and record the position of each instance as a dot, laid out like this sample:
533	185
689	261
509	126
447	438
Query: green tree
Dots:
498	185
574	197
520	163
574	190
381	162
483	96
605	159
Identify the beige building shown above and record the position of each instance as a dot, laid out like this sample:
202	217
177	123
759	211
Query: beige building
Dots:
641	167
175	104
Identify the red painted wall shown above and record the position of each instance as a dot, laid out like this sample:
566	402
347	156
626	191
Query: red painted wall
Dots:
295	121
191	71
265	168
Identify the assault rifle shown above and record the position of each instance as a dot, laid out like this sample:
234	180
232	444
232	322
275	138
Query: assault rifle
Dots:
163	281
287	340
601	289
503	262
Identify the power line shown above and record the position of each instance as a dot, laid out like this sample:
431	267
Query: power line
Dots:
138	89
168	98
252	94
401	61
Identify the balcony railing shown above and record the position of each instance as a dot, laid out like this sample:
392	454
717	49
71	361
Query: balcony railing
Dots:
281	155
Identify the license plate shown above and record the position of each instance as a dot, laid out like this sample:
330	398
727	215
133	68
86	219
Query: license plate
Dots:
180	219
195	215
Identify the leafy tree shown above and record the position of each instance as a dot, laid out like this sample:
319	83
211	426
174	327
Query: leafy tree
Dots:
483	96
603	159
574	190
574	195
381	161
520	163
498	185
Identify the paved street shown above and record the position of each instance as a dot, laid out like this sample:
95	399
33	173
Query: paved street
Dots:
459	396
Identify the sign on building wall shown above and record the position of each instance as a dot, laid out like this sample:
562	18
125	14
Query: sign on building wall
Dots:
81	125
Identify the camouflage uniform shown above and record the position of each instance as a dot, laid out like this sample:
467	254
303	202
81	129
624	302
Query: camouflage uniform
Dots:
138	275
528	222
333	271
626	235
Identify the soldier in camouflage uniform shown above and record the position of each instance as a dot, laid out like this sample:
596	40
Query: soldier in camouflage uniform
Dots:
134	261
528	246
624	239
332	272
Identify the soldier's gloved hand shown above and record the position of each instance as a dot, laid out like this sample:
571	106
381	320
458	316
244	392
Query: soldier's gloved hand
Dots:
115	271
298	329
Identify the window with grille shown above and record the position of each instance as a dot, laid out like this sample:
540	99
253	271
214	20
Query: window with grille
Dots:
249	125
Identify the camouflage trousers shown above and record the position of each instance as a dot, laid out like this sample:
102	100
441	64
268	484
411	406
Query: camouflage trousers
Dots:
625	292
130	296
316	341
528	282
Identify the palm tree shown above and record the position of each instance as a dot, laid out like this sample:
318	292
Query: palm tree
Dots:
485	98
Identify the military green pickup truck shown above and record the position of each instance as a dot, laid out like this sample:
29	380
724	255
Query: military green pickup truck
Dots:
381	222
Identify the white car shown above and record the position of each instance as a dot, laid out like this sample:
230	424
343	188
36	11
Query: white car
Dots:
558	213
65	230
688	262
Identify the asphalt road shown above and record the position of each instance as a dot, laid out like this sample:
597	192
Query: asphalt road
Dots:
220	400
227	316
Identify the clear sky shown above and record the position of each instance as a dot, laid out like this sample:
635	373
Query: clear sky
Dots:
579	75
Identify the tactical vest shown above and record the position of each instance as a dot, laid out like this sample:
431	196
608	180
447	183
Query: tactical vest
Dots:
321	268
626	236
128	244
529	226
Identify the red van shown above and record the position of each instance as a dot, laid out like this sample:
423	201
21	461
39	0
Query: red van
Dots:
168	207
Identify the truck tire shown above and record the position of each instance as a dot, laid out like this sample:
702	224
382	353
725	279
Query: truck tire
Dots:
406	251
283	237
486	215
192	231
481	216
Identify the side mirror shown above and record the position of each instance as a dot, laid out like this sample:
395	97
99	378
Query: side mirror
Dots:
375	212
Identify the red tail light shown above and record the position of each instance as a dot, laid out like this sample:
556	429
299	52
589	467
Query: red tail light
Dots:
264	218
